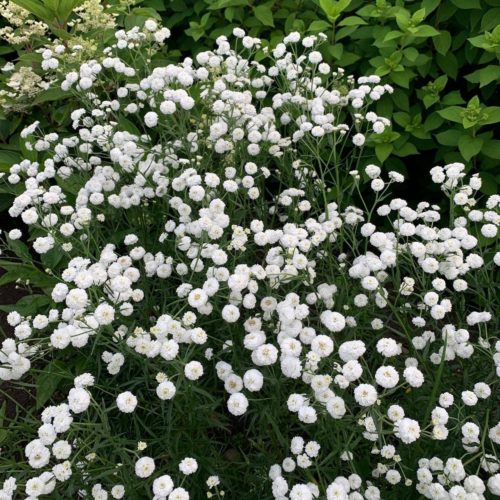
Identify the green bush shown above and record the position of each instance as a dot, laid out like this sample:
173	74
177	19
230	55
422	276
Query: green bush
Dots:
440	56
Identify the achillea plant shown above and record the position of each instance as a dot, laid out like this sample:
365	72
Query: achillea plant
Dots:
239	304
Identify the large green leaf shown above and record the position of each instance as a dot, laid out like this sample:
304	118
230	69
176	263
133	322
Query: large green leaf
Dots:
491	149
28	305
264	14
469	146
453	113
53	94
37	8
333	8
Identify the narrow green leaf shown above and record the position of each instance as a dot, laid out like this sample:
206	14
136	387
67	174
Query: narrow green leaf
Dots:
48	381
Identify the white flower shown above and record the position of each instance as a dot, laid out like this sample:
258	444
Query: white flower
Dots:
365	394
230	313
237	404
144	467
193	370
408	430
166	390
178	494
104	314
126	402
253	380
334	321
163	485
78	400
188	466
358	140
387	377
151	119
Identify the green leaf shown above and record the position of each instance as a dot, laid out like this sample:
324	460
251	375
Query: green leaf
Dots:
433	122
430	5
8	277
48	381
449	137
484	76
418	16
52	258
20	249
4	432
352	21
128	126
66	7
53	94
222	4
489	187
7	159
453	113
393	35
440	82
402	118
336	50
407	149
493	113
452	98
467	4
469	146
425	30
146	12
490	19
442	43
158	5
429	100
28	305
333	8
491	149
319	25
195	32
28	272
7	49
37	9
383	150
411	53
402	78
264	14
448	63
403	19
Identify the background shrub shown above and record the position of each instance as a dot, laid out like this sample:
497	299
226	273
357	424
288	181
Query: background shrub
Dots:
442	57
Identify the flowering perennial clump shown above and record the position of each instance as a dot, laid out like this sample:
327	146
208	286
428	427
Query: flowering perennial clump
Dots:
233	282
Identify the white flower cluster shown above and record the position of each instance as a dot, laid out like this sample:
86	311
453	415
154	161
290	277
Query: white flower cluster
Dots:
193	207
340	488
